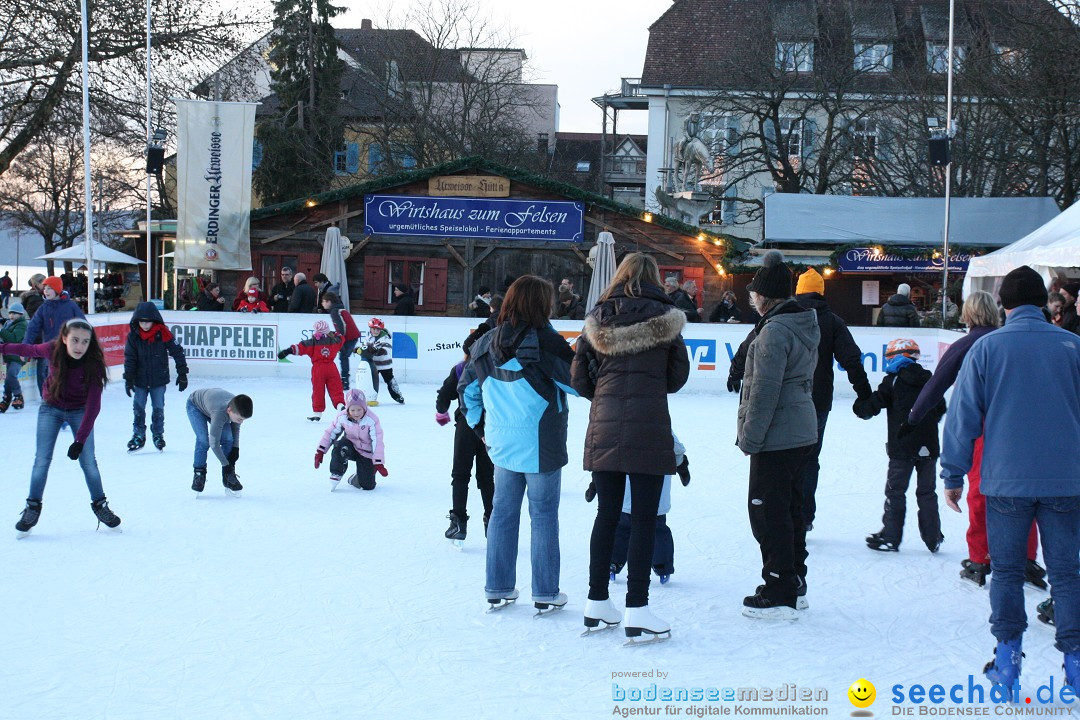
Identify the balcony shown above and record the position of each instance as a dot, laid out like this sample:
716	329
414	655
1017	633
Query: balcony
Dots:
628	97
621	170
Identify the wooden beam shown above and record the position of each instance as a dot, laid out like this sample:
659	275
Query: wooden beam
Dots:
644	240
309	228
357	247
457	256
581	256
480	258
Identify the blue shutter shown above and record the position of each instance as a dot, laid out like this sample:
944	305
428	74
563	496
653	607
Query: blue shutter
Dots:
885	142
375	158
731	135
408	161
352	158
770	139
729	205
809	129
256	154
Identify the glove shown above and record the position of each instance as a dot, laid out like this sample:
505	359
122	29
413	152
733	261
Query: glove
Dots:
684	471
318	458
442	418
284	353
733	384
590	492
865	408
381	469
233	455
128	387
594	367
904	429
75	450
181	382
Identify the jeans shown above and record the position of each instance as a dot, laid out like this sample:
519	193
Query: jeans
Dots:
50	420
11	382
343	361
1008	523
42	373
201	425
812	469
543	490
157	410
644	501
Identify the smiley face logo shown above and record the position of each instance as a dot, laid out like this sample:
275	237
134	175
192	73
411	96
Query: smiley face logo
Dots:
862	693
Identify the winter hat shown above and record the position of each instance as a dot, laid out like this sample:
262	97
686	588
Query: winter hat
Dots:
402	288
16	307
55	283
322	329
810	282
484	290
354	397
902	347
1073	288
253	291
773	280
903	289
1022	286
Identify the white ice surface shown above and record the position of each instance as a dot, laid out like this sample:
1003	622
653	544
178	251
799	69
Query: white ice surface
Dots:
292	602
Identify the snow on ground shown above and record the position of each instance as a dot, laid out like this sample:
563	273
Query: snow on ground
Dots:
292	602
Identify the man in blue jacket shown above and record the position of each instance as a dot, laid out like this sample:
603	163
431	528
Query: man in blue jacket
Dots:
45	326
1018	387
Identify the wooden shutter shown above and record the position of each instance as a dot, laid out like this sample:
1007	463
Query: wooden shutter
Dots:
698	276
435	271
352	158
374	281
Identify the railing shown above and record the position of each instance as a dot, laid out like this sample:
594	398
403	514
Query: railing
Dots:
631	87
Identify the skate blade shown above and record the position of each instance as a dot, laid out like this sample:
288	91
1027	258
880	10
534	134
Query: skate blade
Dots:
233	493
652	638
597	630
802	604
546	609
458	545
22	534
107	529
496	605
773	613
333	486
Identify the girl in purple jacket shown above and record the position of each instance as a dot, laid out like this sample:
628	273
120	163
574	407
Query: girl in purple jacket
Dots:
356	435
72	395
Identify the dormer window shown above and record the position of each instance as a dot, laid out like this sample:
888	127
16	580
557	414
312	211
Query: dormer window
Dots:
874	57
937	57
795	56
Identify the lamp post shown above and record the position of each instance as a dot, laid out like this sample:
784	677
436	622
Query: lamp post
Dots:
88	196
950	131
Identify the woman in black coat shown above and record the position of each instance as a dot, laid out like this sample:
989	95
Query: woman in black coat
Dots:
629	357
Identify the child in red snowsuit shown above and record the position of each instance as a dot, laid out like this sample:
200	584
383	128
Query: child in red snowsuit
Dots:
322	348
252	303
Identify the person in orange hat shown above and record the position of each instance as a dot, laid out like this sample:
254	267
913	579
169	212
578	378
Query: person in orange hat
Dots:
45	326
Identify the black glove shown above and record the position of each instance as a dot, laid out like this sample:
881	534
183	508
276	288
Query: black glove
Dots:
594	373
75	450
128	387
904	429
233	455
181	382
865	408
684	471
733	384
590	492
284	353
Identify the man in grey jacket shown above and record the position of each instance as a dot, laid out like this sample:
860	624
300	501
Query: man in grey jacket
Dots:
777	428
215	416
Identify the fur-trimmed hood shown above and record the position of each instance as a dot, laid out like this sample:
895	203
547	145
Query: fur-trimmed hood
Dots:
623	325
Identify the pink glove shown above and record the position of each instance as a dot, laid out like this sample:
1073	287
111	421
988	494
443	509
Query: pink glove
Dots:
442	418
379	468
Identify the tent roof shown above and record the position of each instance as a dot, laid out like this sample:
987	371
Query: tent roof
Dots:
843	219
1055	244
102	254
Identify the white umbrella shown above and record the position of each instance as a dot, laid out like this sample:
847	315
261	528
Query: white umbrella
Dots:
603	268
102	254
333	263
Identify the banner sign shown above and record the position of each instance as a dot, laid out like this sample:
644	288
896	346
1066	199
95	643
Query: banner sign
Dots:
208	341
470	217
213	184
469	186
870	260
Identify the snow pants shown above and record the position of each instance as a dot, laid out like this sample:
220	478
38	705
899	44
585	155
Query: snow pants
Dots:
342	453
978	546
896	485
663	554
467	447
776	519
325	380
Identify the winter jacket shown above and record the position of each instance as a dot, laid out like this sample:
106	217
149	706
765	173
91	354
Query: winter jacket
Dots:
479	308
836	342
246	306
1069	319
574	310
897	394
665	490
329	287
208	303
1018	388
303	298
80	390
241	300
13	332
322	351
50	317
447	393
725	313
636	347
516	383
776	405
683	301
146	355
280	295
899	311
31	301
343	322
214	404
365	434
380	348
405	305
948	368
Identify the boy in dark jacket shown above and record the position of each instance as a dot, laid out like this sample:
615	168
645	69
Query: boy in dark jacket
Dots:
917	449
13	331
146	372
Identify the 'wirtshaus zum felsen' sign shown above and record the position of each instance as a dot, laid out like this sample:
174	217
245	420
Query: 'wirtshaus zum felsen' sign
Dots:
473	217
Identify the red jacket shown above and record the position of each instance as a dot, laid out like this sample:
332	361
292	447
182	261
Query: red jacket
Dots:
322	351
247	306
344	323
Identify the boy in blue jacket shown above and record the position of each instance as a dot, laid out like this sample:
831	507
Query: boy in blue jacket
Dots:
47	320
146	372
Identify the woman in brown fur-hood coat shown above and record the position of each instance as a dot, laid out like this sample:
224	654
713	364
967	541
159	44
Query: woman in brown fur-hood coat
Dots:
629	357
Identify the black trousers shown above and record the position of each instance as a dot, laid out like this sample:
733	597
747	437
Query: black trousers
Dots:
644	500
896	485
339	463
663	554
776	519
467	447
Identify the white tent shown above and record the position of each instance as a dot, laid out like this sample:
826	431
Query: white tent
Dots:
603	268
1052	250
102	254
333	263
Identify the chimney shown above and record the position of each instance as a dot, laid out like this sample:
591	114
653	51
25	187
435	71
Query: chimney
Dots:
365	24
542	143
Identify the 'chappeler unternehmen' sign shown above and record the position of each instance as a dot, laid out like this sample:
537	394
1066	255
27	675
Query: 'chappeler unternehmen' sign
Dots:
205	341
473	217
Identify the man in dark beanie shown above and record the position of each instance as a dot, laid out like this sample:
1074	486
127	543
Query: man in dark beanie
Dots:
1070	320
777	428
1030	467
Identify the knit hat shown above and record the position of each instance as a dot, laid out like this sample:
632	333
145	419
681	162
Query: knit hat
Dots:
1022	286
1073	288
773	280
253	291
322	329
902	346
484	290
16	307
903	289
810	282
354	397
55	283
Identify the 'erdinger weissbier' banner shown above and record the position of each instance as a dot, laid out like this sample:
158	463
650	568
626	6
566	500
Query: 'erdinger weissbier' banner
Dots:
213	164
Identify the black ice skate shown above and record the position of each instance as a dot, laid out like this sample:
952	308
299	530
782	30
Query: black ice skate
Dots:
935	545
456	532
501	602
975	572
159	442
136	443
5	404
17	403
105	515
1035	574
762	608
230	481
1046	611
395	393
878	542
198	482
546	607
801	602
30	515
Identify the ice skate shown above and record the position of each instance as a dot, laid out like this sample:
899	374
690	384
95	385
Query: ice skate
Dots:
546	607
1072	669
600	615
502	602
29	519
354	480
334	481
105	515
935	545
613	571
664	579
136	443
159	442
456	532
640	621
314	416
230	481
198	482
5	404
761	608
395	392
1035	574
801	602
878	542
1046	611
1004	669
975	572
17	403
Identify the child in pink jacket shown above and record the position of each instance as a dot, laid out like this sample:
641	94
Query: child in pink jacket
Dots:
356	435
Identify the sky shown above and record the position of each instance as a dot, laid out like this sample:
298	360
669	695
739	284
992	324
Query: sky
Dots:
583	46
